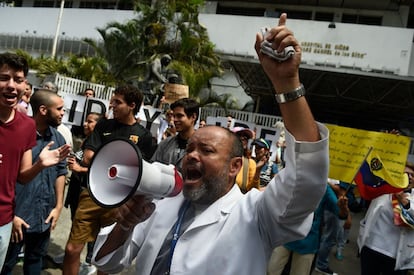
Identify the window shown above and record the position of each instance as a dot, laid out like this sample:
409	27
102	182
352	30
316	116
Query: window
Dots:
44	4
97	5
349	18
362	19
324	16
370	20
240	11
125	5
303	15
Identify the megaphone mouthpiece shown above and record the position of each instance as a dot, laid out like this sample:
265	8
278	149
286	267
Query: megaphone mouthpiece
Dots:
123	174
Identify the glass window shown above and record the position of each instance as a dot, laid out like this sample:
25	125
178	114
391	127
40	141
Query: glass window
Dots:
240	11
324	16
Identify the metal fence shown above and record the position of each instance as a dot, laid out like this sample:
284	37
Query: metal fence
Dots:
42	45
76	86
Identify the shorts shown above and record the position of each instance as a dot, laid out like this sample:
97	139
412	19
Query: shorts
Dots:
89	219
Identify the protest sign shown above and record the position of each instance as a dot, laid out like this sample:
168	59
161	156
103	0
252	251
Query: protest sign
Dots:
77	106
349	147
150	118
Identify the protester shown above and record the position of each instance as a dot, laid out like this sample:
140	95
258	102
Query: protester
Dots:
23	105
77	184
185	114
331	227
167	127
245	178
78	178
88	92
78	130
39	203
386	246
89	217
17	137
202	123
64	130
229	121
266	169
302	252
344	227
50	86
231	233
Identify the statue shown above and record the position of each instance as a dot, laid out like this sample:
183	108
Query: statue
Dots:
157	76
158	70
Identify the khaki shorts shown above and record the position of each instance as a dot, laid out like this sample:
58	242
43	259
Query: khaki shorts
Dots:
89	219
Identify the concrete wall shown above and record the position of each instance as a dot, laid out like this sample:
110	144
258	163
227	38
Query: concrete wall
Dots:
348	46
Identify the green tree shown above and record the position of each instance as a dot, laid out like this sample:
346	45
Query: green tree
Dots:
161	27
126	50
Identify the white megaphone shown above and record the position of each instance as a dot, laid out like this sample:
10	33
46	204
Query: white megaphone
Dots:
118	171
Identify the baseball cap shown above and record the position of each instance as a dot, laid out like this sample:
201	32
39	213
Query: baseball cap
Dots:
261	142
241	131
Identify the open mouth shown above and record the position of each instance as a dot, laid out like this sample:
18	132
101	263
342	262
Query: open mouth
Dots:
192	174
10	96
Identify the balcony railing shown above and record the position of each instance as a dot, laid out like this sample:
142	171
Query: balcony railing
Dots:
38	45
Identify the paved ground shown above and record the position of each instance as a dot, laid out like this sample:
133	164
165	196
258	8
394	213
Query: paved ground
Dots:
348	266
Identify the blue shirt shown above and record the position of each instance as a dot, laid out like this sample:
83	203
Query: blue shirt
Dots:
36	199
310	244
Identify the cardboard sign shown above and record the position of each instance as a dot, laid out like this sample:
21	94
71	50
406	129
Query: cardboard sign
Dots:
173	92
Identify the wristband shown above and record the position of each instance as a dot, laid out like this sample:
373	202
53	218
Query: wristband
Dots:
291	96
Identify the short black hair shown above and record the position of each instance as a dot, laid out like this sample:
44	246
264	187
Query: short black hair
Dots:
42	97
131	95
14	61
190	106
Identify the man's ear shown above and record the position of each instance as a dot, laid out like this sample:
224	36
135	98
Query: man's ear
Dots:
43	110
235	166
132	105
194	118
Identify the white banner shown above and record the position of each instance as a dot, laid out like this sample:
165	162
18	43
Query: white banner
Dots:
150	118
77	106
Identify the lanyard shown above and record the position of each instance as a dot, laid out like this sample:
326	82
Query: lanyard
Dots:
177	228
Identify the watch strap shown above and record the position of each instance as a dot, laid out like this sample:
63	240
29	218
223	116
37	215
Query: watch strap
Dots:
291	96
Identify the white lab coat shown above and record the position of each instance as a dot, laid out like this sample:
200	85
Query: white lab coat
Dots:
395	242
236	234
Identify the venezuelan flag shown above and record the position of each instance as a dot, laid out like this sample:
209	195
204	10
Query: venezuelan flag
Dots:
373	180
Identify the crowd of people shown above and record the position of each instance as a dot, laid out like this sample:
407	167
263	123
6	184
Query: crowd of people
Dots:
241	210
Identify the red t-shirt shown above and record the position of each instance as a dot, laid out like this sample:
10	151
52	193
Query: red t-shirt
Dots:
16	137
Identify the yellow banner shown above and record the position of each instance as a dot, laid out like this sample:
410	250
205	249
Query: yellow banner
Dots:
348	147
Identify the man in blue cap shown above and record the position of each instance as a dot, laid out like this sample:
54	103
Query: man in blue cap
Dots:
266	169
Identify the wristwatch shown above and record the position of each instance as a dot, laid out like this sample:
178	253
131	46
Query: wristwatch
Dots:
292	95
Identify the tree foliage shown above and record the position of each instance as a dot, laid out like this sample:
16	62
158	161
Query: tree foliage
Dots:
160	27
126	49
